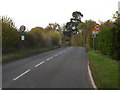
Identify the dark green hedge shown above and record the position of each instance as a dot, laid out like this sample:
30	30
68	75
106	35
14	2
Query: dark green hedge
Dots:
108	41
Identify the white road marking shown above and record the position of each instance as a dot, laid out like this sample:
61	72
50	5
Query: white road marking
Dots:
56	54
91	78
49	58
39	63
21	74
36	66
61	52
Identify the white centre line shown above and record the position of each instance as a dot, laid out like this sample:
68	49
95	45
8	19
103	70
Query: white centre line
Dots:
39	63
49	58
61	52
21	74
56	54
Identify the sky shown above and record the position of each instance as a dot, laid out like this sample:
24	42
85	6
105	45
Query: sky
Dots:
32	13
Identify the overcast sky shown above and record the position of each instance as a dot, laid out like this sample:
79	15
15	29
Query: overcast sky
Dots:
32	13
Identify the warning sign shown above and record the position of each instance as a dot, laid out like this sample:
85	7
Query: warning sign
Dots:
96	27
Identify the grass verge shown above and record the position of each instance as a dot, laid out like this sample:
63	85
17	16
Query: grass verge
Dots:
104	70
24	53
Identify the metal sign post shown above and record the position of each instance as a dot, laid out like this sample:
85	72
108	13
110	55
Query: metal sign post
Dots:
22	29
95	31
93	44
93	36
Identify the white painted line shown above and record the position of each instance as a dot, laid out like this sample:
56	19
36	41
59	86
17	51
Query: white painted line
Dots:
21	74
56	54
91	78
39	63
49	58
61	52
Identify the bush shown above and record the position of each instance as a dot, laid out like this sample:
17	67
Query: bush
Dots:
108	41
10	35
104	41
37	37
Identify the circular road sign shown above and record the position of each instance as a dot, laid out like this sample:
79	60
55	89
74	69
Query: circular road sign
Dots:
96	27
22	28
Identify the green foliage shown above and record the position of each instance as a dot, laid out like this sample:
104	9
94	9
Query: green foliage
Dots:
10	35
76	40
37	37
86	28
108	41
36	34
104	41
46	37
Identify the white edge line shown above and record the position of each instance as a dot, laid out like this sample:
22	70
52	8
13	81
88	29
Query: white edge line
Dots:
39	63
21	74
91	78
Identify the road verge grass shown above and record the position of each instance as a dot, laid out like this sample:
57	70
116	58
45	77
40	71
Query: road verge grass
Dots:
25	53
104	70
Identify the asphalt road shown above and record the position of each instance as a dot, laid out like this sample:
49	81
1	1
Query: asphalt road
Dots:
65	67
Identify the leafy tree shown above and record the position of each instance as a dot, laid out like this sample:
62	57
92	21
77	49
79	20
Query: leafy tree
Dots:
108	41
10	35
86	28
71	27
116	39
36	34
55	26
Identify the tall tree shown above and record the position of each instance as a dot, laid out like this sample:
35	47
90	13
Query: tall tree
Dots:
71	27
10	35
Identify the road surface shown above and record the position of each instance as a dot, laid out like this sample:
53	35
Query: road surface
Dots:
65	67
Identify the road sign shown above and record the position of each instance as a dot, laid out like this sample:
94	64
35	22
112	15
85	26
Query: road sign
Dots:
95	32
96	27
94	35
22	28
22	37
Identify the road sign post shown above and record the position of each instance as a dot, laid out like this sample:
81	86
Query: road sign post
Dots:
22	29
95	31
93	43
93	36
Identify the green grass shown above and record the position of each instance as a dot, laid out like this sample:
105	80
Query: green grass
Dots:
24	53
104	70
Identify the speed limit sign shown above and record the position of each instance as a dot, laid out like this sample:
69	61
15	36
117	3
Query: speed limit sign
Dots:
96	27
22	28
